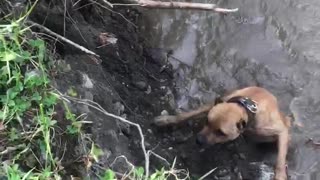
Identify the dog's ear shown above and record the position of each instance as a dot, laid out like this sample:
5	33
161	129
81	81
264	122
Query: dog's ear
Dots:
241	125
218	100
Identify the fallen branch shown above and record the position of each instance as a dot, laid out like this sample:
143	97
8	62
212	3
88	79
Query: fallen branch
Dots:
175	5
62	38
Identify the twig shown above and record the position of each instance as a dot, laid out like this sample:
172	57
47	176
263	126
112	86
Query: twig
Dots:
126	175
74	4
108	3
125	158
10	149
63	38
96	106
179	5
174	172
64	17
158	156
102	6
207	174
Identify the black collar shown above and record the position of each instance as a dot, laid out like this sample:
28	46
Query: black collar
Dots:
248	104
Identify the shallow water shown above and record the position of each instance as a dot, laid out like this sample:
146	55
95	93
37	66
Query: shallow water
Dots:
273	44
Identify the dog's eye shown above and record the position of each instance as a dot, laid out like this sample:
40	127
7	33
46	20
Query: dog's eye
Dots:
219	132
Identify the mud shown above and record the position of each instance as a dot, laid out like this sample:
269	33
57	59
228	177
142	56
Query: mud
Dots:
134	80
128	80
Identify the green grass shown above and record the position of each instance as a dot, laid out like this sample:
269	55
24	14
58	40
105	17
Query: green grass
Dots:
26	102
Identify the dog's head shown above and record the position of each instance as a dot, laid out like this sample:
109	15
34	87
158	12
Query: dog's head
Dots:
225	123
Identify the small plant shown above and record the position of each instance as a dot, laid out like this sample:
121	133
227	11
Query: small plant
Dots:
108	175
75	126
13	173
26	100
137	173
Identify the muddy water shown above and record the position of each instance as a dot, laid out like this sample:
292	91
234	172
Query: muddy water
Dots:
273	44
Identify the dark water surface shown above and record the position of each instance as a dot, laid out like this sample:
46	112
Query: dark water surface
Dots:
273	44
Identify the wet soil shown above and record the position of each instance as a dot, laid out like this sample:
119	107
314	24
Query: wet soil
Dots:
134	80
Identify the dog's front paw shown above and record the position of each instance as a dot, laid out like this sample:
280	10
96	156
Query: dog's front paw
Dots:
280	175
164	120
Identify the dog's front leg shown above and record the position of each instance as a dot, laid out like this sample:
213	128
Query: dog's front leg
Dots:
175	119
283	141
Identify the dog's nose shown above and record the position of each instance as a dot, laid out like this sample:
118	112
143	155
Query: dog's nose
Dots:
201	139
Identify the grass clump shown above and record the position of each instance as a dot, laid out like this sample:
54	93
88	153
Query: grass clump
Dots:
27	104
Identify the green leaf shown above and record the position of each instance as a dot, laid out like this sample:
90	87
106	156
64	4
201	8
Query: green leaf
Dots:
22	105
8	56
36	43
53	122
108	175
36	97
72	130
96	152
13	172
41	48
42	146
4	71
2	115
3	99
72	92
153	176
35	78
12	93
139	171
19	86
70	116
25	54
11	103
13	135
49	100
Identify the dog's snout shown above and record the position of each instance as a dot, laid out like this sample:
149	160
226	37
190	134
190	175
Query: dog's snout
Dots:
201	139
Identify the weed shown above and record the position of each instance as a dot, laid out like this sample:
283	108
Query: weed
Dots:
26	100
108	175
138	174
75	126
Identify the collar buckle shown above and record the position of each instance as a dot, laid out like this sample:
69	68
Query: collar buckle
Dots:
249	104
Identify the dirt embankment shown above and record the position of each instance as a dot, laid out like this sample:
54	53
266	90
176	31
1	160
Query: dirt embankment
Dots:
129	80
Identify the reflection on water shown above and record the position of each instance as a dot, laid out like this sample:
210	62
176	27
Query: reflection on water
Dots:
273	44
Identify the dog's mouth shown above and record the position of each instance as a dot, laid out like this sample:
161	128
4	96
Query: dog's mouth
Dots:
201	140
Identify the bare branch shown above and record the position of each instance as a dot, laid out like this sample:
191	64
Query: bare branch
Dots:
158	156
63	38
178	5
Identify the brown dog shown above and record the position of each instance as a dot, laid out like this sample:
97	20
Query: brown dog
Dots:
252	110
